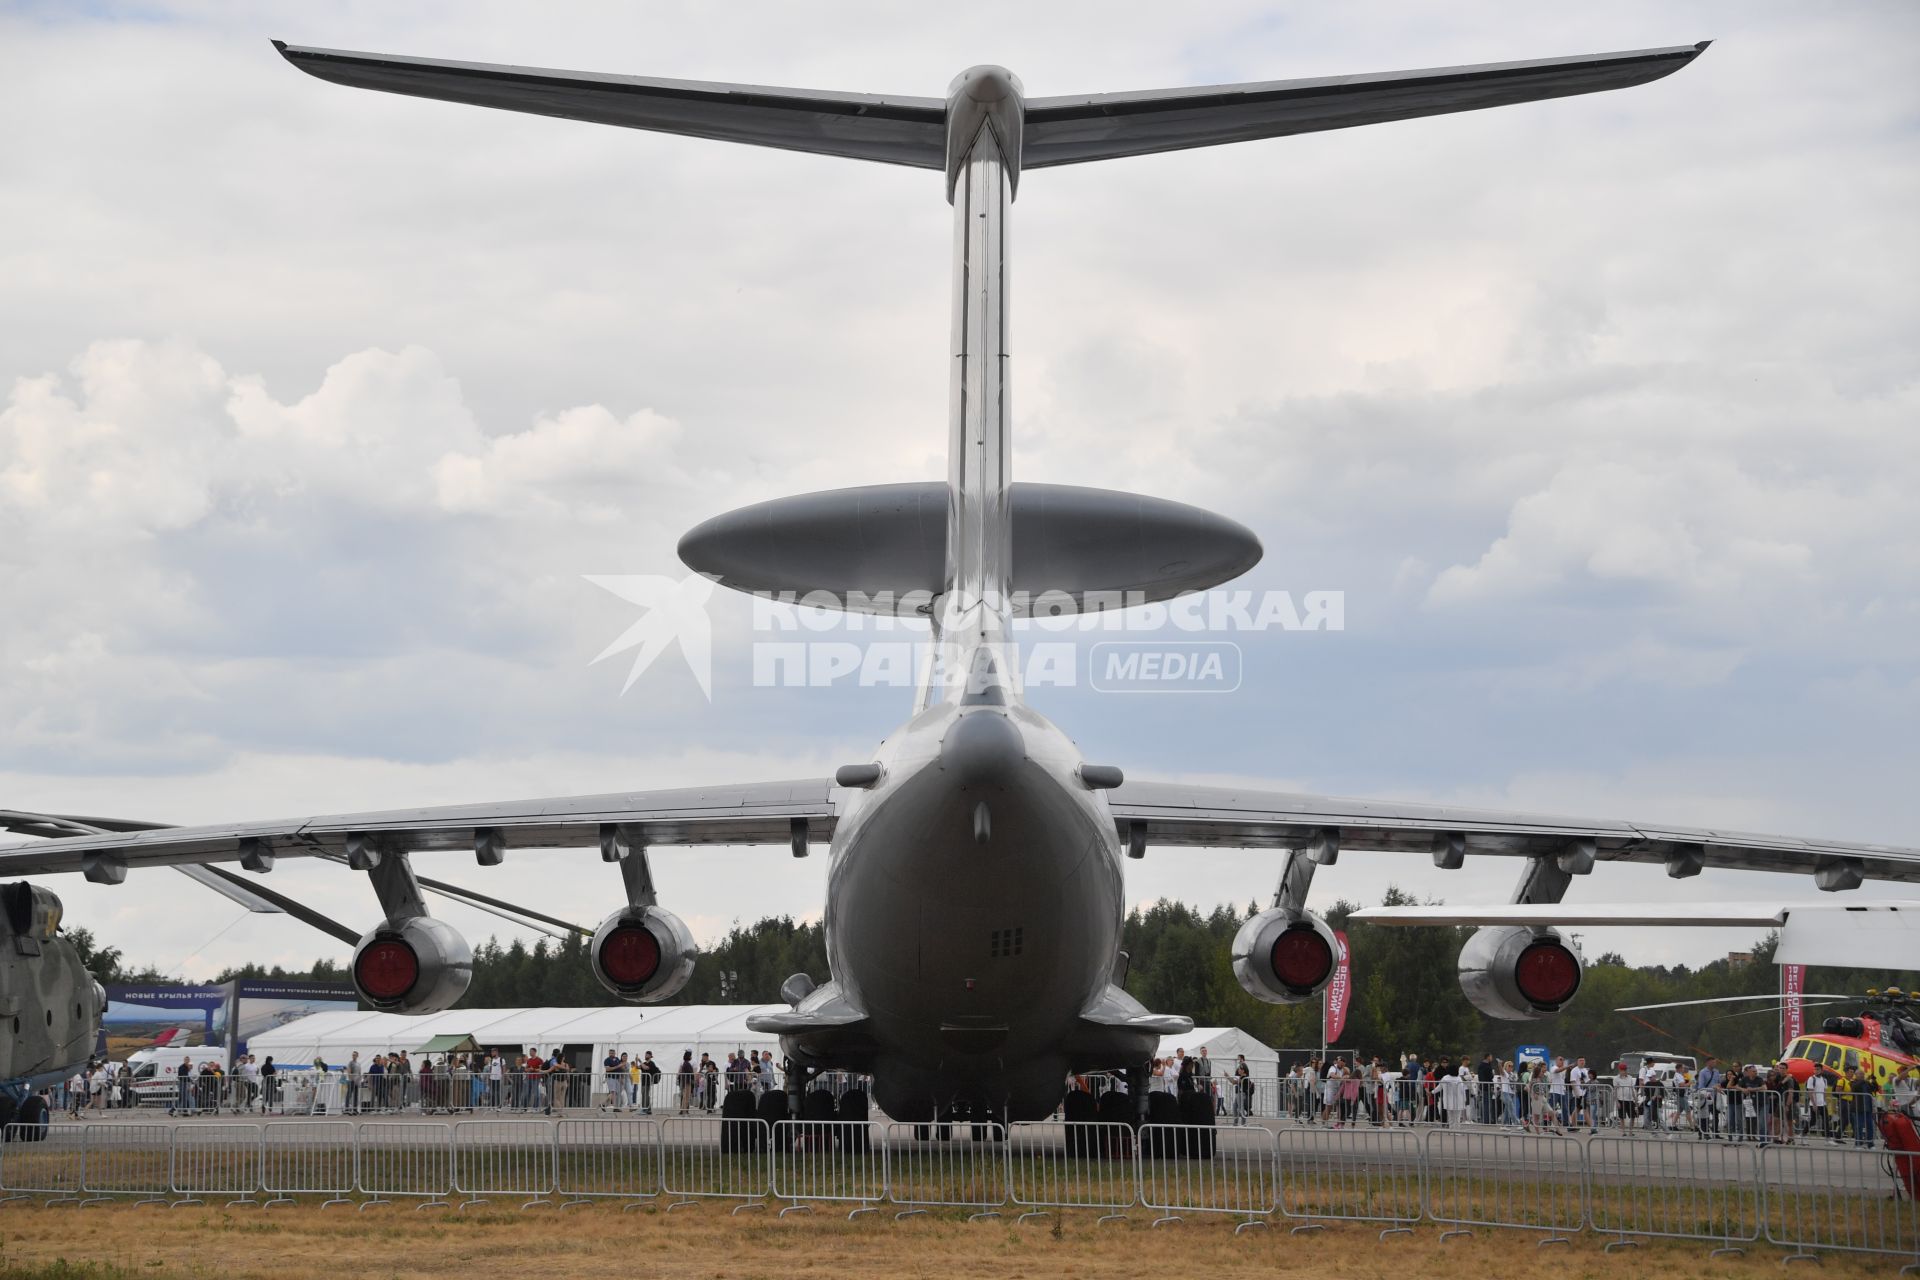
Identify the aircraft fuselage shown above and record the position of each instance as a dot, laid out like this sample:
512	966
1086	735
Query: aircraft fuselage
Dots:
974	951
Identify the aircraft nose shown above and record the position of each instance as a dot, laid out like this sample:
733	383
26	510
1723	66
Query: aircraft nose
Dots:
981	749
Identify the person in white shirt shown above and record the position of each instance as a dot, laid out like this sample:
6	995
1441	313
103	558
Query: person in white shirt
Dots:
250	1072
1623	1104
1453	1096
1577	1081
1557	1092
1653	1097
1330	1088
1817	1103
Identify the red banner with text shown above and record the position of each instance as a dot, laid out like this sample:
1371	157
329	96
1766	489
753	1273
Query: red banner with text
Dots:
1339	992
1793	1018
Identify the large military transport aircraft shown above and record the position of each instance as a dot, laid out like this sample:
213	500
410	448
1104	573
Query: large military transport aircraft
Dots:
974	897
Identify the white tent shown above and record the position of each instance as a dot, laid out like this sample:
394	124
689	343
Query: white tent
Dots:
1224	1044
666	1030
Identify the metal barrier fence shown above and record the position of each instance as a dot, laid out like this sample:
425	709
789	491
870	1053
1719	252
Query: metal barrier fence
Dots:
827	1160
1833	1198
215	1160
1523	1181
1349	1175
1801	1197
1736	1112
1201	1169
406	1159
308	1157
43	1160
969	1170
703	1159
607	1159
1078	1166
126	1160
1684	1190
503	1158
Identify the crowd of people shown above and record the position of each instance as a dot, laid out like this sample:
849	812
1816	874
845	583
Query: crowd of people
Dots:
1761	1104
190	1088
1754	1103
430	1083
1183	1074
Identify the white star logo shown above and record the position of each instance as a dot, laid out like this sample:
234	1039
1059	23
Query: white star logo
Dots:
676	610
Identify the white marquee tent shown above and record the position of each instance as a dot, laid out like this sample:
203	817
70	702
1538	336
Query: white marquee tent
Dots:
666	1030
1224	1044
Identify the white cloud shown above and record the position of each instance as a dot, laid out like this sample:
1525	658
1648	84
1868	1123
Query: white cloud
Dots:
583	464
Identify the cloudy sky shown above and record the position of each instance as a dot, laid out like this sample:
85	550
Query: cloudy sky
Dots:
320	406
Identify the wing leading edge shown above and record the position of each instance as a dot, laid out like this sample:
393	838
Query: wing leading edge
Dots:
754	813
1846	934
1163	813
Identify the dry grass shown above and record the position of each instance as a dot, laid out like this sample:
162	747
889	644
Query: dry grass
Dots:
113	1242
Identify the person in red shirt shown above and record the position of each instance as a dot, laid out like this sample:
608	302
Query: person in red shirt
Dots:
530	1069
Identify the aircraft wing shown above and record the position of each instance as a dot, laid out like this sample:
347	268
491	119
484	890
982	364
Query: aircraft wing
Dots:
756	813
859	126
52	825
1162	813
1883	934
1104	126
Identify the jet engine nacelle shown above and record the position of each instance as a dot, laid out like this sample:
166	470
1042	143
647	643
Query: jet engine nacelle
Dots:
417	965
1518	972
1283	956
643	953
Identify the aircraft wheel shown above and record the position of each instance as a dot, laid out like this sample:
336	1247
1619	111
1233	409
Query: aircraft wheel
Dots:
8	1108
31	1122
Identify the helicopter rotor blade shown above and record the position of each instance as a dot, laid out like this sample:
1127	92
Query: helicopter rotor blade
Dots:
1777	999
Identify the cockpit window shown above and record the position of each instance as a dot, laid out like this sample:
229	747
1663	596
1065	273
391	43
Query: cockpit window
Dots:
1798	1049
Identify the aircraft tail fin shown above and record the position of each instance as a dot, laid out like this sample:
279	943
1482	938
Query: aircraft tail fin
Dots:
890	129
1106	126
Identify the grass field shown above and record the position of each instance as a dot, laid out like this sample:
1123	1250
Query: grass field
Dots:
111	1242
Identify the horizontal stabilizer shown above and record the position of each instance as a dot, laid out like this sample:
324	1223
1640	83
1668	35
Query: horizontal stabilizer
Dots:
858	126
1105	126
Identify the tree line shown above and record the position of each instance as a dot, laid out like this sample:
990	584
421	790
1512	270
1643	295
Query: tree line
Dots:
1405	996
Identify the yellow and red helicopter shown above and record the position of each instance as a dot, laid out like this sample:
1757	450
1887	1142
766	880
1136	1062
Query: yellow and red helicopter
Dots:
1883	1038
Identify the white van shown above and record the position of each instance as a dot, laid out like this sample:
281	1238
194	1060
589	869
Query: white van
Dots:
156	1072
